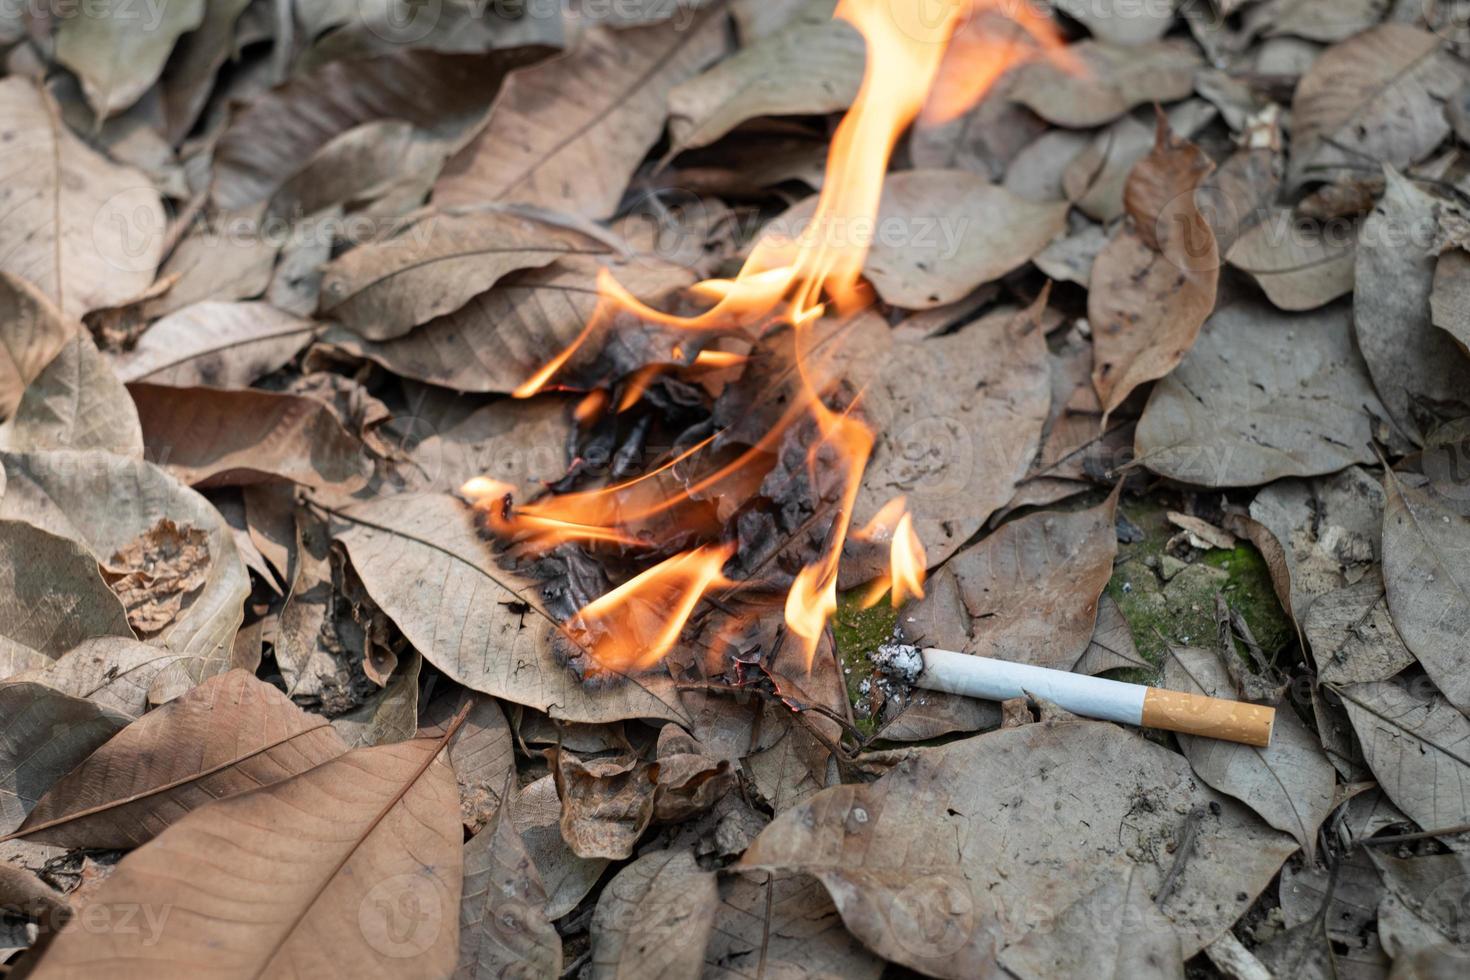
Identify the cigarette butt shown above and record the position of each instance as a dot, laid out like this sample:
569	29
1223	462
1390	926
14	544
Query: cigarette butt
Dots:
1090	697
1195	714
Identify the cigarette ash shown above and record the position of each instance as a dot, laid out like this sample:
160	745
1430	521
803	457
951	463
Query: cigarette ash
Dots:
901	662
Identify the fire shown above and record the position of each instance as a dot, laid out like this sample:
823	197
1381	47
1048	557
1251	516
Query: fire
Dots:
785	284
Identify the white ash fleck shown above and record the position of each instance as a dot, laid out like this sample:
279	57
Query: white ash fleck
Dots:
899	661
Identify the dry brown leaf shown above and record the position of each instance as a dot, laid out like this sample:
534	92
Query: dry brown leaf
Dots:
88	234
1450	299
1421	374
567	134
156	571
75	403
606	804
482	753
231	734
231	437
385	288
1352	635
1299	265
1376	97
43	734
568	878
500	338
277	133
654	918
118	58
1107	82
367	882
32	332
227	258
390	714
786	923
932	868
422	560
113	671
1154	284
504	929
25	895
51	596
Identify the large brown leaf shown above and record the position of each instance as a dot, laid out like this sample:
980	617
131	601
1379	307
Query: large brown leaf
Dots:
43	734
424	563
1154	284
221	437
1379	96
32	332
87	233
1421	374
387	287
277	133
1263	395
75	403
568	134
351	868
939	863
223	345
654	918
500	338
1426	569
231	734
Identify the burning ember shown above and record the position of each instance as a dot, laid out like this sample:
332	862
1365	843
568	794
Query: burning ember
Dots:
789	303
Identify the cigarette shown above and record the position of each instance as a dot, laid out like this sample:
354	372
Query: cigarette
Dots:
1090	697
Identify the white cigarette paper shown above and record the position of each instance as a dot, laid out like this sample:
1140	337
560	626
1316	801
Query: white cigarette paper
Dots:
1091	697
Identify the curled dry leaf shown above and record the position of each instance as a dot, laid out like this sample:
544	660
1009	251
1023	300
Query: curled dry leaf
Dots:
367	882
1262	396
1154	284
654	919
606	804
231	734
931	868
156	571
426	566
1379	96
75	403
385	288
568	134
568	878
32	332
1290	783
43	734
1419	371
1426	569
223	345
51	597
1414	743
1108	81
71	216
504	929
215	437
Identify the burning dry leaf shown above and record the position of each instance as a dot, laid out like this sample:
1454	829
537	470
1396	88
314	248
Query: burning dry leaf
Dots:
568	134
155	572
1261	396
219	437
1352	635
86	233
1107	82
504	929
51	596
383	289
231	734
369	877
1412	741
34	332
1426	569
654	919
110	502
805	69
117	56
1154	284
221	345
113	671
43	734
929	866
422	560
1290	783
277	133
1030	590
1419	371
959	420
75	403
499	339
1298	265
1376	97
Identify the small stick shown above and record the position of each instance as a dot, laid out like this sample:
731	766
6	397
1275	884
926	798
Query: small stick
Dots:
1091	697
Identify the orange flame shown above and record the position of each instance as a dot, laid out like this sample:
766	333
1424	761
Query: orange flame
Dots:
907	562
784	283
